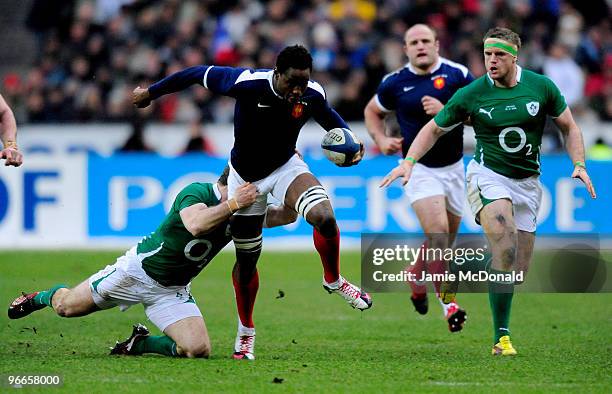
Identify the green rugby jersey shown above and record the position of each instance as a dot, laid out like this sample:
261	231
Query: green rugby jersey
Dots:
172	255
508	122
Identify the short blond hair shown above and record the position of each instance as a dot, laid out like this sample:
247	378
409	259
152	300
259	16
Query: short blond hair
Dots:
502	33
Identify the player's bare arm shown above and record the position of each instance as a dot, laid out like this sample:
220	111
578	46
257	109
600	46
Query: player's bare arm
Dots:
424	141
200	219
575	148
375	123
8	135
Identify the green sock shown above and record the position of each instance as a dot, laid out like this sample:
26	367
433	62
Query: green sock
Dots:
500	299
162	344
45	297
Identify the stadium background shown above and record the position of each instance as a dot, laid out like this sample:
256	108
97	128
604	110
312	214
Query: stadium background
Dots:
98	174
69	68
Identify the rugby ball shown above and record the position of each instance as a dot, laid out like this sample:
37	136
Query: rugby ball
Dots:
340	146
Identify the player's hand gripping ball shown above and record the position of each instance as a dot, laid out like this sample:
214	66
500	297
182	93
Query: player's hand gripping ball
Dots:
342	147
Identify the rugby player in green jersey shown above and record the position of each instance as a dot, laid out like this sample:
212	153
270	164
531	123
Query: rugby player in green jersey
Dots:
507	108
158	272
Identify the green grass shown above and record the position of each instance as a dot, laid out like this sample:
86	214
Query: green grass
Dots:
311	340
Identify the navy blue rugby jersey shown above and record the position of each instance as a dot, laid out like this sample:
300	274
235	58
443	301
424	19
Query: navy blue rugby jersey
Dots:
266	126
402	90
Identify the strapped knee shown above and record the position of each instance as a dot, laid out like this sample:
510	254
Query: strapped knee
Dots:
248	245
311	197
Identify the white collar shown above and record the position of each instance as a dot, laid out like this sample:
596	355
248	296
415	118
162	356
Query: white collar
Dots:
433	70
217	191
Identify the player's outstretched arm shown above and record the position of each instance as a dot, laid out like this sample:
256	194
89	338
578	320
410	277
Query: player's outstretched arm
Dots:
575	148
8	135
142	97
200	219
375	123
424	141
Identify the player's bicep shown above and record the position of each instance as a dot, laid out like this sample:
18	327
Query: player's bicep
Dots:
433	128
373	109
556	102
189	216
4	108
222	80
565	121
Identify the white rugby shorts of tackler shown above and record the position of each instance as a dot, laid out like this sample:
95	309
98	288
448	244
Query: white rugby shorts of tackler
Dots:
125	283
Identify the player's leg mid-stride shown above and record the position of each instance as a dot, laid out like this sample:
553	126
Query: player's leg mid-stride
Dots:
497	220
246	233
441	226
310	200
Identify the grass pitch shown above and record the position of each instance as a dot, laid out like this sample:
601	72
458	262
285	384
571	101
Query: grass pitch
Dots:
307	341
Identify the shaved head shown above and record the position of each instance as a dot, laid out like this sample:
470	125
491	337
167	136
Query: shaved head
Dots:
421	46
419	28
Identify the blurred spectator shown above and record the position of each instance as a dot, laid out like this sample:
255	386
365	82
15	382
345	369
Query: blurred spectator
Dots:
92	53
198	143
108	9
591	50
352	9
565	73
136	142
607	112
599	90
570	26
47	18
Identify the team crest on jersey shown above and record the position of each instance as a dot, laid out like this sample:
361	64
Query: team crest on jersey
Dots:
439	83
533	107
298	110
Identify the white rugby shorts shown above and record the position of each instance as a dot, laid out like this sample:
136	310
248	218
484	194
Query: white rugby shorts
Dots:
448	181
276	184
125	283
485	185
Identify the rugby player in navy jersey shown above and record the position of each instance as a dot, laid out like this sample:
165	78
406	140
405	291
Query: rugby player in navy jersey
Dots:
436	190
271	108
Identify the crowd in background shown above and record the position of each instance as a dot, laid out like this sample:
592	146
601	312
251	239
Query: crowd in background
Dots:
91	54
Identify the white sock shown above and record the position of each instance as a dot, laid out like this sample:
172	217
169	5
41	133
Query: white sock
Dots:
244	330
333	285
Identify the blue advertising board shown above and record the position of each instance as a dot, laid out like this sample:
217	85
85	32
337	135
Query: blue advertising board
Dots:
128	195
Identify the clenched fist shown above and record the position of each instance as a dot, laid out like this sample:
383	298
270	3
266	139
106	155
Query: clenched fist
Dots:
141	97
